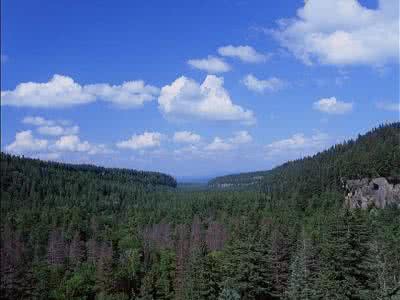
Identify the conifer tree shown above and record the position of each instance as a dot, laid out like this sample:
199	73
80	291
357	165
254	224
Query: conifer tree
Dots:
303	270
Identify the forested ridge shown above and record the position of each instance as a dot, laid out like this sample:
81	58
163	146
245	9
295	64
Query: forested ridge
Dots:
374	154
84	232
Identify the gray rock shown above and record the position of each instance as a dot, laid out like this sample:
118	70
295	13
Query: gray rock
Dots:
369	193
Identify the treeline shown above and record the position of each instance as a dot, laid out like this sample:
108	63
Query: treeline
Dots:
374	154
33	183
71	233
240	179
12	163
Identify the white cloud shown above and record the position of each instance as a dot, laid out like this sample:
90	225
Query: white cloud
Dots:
260	86
342	32
333	106
390	106
297	145
72	143
58	130
63	91
218	144
211	64
186	98
60	91
186	137
25	142
51	127
142	141
100	149
239	138
188	151
129	94
37	121
244	53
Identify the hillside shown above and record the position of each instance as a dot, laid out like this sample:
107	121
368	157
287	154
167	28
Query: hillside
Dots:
11	164
84	232
27	182
374	154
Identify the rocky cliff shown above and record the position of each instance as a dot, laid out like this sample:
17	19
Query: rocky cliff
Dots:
377	192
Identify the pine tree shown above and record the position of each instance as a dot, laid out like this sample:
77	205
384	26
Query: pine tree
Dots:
303	270
279	257
11	284
348	271
229	294
195	284
166	275
248	268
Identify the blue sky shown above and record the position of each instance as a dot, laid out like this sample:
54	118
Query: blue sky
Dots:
194	88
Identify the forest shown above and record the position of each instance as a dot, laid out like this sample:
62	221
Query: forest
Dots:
86	232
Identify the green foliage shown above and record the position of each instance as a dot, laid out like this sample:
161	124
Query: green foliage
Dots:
229	294
77	285
247	267
303	271
83	232
375	154
348	260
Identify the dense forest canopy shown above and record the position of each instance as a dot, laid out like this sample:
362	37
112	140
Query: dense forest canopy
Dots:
107	174
84	232
374	154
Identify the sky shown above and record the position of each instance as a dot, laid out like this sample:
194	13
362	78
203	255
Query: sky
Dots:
194	88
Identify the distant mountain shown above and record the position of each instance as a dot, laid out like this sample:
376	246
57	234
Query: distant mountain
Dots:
374	154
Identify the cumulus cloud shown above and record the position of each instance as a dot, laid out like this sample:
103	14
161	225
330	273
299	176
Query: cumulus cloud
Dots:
297	145
188	151
142	141
342	32
62	140
211	64
37	121
333	106
186	137
186	98
99	149
129	94
25	142
60	91
63	91
71	143
241	137
51	127
389	106
57	130
219	144
244	53
260	85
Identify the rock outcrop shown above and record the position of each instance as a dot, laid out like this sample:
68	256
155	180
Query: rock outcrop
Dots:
368	193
